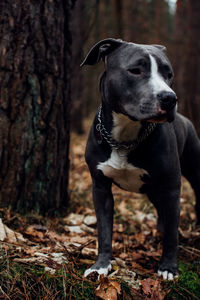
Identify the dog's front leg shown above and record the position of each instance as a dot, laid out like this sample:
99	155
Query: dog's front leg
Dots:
103	203
169	218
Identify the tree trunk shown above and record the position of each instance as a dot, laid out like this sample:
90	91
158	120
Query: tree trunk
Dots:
76	74
179	53
35	44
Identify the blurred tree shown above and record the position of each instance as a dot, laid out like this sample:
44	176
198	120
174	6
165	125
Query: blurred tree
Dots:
35	45
118	17
191	86
136	21
179	54
78	26
139	21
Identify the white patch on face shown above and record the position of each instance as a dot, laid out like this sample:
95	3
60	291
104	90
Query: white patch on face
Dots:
124	129
156	81
100	271
122	172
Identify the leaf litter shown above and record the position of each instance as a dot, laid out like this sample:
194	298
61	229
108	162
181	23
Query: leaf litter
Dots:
72	240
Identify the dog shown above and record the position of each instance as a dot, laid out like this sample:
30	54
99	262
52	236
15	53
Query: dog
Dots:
139	142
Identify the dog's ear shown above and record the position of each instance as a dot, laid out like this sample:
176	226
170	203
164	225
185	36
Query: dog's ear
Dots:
161	47
100	50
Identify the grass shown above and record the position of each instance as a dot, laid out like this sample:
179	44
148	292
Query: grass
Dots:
188	284
23	281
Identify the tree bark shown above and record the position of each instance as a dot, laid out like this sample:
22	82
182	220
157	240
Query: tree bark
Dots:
179	53
35	45
78	27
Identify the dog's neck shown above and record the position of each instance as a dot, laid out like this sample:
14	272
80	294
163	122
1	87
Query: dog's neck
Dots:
119	126
124	129
119	131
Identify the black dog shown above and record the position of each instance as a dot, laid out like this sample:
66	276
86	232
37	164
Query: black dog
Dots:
140	143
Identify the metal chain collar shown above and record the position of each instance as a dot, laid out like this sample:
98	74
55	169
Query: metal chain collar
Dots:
125	145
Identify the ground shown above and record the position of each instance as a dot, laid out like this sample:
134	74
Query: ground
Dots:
45	258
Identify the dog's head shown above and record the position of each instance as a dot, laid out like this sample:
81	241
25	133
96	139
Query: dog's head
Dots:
137	80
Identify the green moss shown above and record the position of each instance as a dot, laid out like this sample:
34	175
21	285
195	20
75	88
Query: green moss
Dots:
188	283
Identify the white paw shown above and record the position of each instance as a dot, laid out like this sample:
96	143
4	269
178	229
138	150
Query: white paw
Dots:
167	275
100	271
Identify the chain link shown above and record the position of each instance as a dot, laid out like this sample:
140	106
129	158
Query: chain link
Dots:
126	145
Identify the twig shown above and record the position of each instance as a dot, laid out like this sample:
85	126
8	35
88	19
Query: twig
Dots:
4	293
189	251
193	296
18	245
86	244
178	292
197	250
64	285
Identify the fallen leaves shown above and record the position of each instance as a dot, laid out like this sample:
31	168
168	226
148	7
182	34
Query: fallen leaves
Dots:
108	289
10	236
74	219
152	289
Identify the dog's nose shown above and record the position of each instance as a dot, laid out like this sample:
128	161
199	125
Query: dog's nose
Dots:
167	100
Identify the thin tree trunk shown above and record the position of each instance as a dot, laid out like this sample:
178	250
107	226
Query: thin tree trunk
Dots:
179	53
191	84
78	26
35	55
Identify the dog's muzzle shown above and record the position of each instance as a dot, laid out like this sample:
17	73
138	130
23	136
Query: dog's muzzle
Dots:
167	100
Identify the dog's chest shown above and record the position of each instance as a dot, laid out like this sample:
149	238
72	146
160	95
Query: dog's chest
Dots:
117	167
126	175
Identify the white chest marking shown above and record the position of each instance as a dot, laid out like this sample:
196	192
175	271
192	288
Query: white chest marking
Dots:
122	172
156	81
124	129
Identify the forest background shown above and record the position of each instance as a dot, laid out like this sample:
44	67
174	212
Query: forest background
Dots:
175	24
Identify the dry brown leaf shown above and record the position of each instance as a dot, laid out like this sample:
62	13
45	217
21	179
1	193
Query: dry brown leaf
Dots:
81	239
140	237
87	228
118	228
9	235
108	289
152	253
73	229
52	259
189	234
120	262
136	255
30	230
89	251
90	220
74	219
123	210
136	266
147	285
2	231
152	289
123	255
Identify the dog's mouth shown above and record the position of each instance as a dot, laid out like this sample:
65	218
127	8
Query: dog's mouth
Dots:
162	116
157	115
158	118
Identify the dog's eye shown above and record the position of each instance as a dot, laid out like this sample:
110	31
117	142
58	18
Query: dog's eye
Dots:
135	71
170	75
